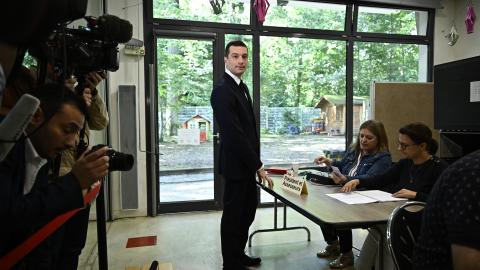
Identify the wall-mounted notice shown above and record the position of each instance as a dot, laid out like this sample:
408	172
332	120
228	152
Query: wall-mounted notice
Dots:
475	91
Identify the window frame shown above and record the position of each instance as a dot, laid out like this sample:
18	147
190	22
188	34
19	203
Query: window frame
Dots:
350	35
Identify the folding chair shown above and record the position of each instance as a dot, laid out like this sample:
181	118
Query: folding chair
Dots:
403	228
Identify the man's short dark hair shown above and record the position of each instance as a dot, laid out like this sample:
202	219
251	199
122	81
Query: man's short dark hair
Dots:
236	43
53	95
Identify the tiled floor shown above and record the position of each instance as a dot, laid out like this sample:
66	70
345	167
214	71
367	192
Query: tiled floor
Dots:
191	241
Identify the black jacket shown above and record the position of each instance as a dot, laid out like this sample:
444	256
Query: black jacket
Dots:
404	174
23	214
239	140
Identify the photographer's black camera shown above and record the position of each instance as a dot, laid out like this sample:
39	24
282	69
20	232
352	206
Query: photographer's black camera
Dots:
118	161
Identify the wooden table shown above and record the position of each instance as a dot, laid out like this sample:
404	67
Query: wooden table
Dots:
323	209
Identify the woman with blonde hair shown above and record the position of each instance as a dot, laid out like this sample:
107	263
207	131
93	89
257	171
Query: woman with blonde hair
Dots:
368	156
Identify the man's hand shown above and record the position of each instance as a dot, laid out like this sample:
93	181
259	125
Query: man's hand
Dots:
93	78
350	185
263	177
405	193
71	82
91	167
87	96
465	258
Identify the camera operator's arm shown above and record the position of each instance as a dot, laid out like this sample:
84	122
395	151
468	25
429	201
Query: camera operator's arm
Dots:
98	115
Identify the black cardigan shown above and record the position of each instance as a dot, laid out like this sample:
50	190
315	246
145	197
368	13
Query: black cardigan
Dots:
405	174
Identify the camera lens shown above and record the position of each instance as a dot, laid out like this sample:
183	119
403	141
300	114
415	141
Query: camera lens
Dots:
119	161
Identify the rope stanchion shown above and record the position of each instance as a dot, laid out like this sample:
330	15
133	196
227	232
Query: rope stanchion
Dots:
15	255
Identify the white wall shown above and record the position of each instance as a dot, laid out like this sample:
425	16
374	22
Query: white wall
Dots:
468	44
131	72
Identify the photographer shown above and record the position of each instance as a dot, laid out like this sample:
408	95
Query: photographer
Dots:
75	230
29	196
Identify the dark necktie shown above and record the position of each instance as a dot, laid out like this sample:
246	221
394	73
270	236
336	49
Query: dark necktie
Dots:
245	89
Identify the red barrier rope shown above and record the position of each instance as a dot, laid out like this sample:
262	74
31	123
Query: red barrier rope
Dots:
15	255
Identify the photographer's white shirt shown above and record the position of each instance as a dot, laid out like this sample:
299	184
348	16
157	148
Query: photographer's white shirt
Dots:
33	164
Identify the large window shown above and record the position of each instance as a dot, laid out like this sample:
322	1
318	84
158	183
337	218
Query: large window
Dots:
302	81
233	11
305	59
384	62
302	84
303	14
392	21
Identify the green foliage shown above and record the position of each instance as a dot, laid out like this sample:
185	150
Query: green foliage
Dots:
294	72
29	61
291	118
195	10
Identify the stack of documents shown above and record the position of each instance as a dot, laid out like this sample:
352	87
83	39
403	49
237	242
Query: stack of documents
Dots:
367	196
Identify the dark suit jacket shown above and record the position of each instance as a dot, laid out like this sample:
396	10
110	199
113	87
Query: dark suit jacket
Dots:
22	214
239	141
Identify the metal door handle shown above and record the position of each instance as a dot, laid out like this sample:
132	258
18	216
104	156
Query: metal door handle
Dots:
216	138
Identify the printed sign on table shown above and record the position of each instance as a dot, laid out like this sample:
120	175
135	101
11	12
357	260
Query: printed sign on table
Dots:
294	184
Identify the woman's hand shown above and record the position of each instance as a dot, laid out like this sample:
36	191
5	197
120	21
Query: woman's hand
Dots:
338	178
350	185
322	160
405	193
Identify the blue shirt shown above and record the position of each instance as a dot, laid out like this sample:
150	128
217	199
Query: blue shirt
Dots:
369	165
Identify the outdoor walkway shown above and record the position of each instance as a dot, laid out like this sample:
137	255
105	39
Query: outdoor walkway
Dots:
186	170
275	149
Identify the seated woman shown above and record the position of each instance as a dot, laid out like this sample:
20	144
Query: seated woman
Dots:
412	177
368	156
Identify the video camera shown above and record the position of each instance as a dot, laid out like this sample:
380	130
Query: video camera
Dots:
88	48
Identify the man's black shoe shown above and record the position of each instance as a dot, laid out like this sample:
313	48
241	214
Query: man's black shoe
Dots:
250	261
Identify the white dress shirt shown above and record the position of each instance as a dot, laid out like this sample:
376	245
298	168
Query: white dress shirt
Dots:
33	163
237	79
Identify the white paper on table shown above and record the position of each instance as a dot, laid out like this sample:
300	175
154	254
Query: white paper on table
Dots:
380	196
351	198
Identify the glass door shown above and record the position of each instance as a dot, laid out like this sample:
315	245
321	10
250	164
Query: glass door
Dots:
185	69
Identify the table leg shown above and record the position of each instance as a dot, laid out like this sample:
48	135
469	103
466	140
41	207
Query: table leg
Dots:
380	241
275	226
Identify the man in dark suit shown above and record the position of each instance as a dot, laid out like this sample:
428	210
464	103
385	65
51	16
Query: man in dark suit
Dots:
239	157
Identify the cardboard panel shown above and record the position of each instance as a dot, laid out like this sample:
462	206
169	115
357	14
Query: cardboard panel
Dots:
397	104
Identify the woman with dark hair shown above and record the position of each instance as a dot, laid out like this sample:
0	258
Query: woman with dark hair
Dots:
412	177
367	157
